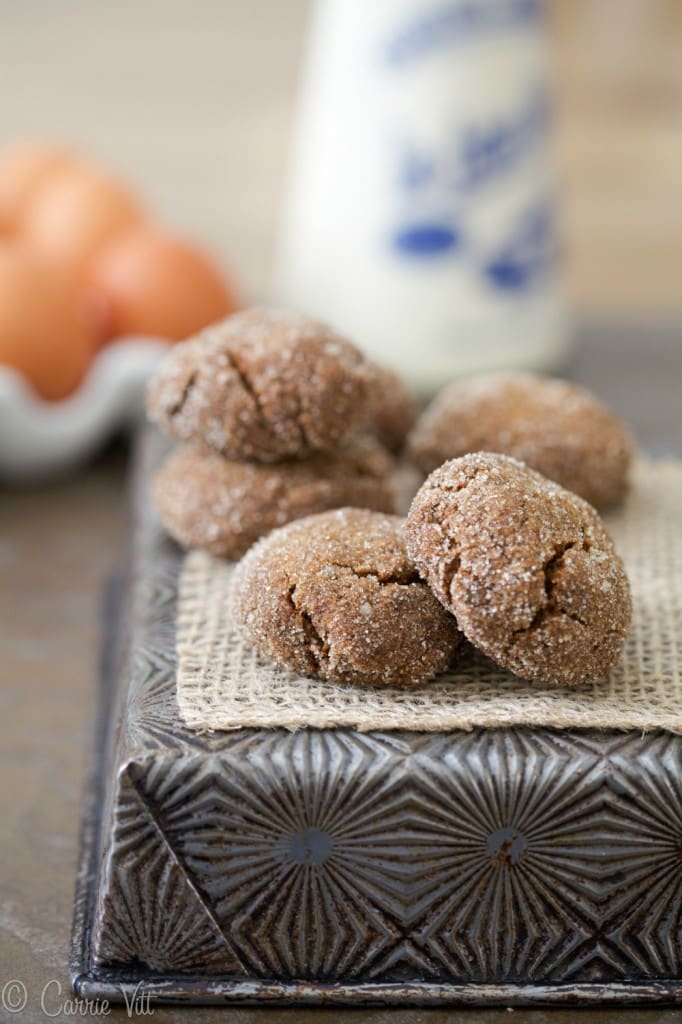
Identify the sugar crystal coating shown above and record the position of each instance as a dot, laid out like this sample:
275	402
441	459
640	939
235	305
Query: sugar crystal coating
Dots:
527	568
394	409
335	596
263	385
555	427
223	506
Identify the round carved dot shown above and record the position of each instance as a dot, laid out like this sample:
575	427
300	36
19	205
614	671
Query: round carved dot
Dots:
312	846
507	845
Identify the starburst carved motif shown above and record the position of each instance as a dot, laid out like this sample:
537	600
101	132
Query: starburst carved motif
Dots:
484	857
497	856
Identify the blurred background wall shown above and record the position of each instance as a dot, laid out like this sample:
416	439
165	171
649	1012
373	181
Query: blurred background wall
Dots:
192	101
618	72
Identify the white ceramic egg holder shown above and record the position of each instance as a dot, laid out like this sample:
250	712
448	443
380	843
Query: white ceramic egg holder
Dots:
39	439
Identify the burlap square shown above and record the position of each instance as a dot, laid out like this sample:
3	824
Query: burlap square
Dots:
223	684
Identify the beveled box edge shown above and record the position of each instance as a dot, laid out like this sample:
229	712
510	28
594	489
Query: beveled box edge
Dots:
118	985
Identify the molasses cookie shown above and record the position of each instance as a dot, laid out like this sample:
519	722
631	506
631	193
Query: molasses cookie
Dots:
263	385
206	501
335	596
526	567
395	410
555	427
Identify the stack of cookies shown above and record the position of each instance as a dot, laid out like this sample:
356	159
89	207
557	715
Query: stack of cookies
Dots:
279	418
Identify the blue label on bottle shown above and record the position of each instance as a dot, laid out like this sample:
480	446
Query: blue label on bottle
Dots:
519	261
473	155
525	255
426	239
458	21
439	186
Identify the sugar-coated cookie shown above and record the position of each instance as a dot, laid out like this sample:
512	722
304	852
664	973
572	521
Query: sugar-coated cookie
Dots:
263	385
336	596
526	567
223	506
553	426
395	410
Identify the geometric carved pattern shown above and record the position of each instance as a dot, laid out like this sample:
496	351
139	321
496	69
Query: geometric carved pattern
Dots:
496	856
150	912
307	884
510	888
645	918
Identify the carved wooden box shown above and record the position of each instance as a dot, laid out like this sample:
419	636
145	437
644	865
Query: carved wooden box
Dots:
497	866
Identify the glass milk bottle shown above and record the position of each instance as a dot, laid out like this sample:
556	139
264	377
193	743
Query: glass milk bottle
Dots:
419	216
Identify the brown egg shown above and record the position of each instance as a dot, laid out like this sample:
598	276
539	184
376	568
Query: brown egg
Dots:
150	282
42	333
24	168
73	216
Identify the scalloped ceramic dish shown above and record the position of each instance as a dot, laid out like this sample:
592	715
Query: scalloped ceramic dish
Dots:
40	439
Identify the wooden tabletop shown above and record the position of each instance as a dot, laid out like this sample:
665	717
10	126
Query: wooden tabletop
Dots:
58	545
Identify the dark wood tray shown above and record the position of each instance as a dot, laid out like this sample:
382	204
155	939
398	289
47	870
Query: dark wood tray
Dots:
497	867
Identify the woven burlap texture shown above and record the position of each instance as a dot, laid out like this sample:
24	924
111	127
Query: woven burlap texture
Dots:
223	684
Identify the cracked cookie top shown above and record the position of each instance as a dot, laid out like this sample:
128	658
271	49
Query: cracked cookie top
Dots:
263	385
554	426
526	567
207	501
336	596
